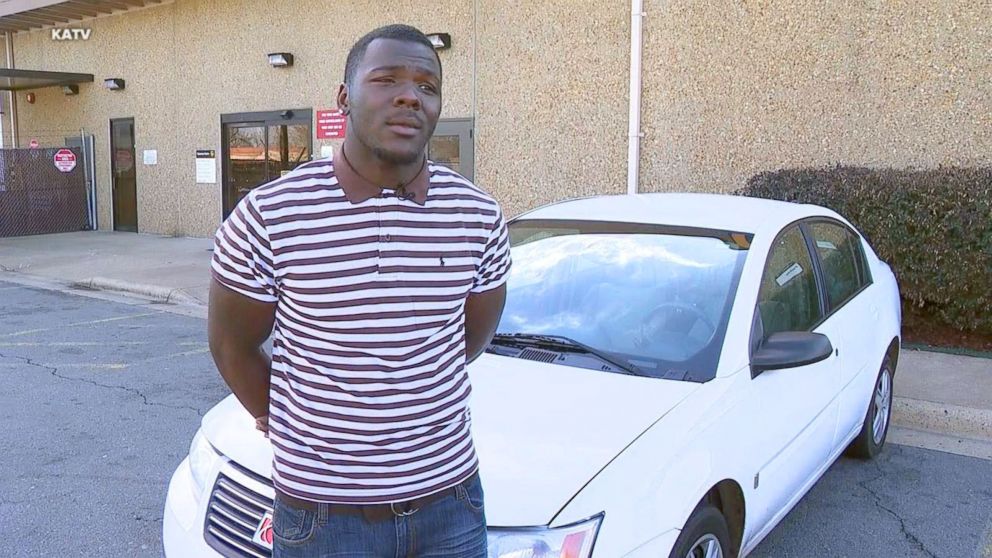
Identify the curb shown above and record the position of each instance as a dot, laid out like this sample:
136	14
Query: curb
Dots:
946	350
163	294
949	419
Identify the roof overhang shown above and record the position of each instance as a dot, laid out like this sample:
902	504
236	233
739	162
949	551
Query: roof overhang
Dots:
15	80
25	15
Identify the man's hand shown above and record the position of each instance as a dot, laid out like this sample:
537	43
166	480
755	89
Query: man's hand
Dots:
482	314
262	425
237	327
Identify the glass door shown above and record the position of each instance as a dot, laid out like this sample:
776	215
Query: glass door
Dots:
244	162
259	148
289	145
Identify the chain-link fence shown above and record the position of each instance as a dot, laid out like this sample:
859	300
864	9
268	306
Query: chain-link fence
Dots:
47	189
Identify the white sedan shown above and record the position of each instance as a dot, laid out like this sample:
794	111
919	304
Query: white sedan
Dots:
672	373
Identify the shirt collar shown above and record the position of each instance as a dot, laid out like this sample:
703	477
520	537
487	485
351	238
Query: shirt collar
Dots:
358	189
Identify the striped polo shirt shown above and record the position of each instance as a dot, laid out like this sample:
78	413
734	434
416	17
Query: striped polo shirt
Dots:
369	392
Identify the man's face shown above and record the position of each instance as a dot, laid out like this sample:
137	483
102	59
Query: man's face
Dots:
394	99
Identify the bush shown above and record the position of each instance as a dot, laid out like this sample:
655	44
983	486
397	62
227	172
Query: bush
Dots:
933	227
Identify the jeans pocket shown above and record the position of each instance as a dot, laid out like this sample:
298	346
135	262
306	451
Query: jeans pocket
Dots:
472	495
292	526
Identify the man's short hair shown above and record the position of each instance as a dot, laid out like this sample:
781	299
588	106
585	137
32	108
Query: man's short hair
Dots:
396	32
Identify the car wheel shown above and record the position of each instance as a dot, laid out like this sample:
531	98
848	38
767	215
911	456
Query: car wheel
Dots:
705	535
869	442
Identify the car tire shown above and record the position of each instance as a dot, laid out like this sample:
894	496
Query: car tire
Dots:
875	429
705	535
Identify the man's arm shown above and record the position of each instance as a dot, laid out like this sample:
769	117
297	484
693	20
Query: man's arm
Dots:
237	327
482	314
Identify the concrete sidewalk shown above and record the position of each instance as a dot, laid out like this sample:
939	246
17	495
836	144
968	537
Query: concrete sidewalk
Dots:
935	392
164	268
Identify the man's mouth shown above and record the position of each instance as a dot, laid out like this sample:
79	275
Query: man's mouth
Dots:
408	127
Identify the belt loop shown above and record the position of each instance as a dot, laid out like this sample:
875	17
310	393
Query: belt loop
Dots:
323	512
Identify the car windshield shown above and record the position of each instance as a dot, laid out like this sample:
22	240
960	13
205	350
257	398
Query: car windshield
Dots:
654	297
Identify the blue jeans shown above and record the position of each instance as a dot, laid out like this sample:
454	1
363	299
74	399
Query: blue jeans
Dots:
451	527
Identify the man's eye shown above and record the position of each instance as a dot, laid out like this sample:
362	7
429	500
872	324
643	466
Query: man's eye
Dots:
428	87
383	80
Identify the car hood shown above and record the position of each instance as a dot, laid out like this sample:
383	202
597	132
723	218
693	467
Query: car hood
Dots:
542	431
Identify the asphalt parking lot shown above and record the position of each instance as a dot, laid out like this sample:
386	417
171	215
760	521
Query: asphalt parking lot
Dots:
101	398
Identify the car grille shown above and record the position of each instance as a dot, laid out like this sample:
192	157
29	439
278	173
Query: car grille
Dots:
233	514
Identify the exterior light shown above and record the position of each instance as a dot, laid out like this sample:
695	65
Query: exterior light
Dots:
114	84
71	89
281	59
440	41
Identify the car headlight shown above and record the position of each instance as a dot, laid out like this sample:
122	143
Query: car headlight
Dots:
202	457
573	541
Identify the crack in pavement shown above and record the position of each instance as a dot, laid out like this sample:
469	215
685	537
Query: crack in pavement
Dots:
911	538
144	398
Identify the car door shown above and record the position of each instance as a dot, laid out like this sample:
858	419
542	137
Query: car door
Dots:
850	312
792	411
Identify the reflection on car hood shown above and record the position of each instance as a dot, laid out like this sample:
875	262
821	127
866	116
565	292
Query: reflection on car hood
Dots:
541	431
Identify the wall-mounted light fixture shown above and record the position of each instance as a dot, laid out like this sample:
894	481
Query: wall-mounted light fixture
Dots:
71	89
114	84
440	41
281	59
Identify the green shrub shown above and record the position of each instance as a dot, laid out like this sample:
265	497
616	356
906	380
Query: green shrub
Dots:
934	228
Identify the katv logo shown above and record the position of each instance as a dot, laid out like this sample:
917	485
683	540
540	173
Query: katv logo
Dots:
71	34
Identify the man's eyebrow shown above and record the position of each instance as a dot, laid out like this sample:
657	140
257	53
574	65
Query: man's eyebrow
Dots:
417	68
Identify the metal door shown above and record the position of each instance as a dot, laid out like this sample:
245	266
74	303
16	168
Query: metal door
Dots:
124	174
452	146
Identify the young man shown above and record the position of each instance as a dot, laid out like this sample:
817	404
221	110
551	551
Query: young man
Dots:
382	275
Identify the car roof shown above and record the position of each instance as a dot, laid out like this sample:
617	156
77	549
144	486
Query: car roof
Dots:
712	211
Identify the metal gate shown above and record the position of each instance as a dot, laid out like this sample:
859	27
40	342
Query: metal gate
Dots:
48	189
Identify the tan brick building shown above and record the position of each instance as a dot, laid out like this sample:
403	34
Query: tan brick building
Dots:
537	103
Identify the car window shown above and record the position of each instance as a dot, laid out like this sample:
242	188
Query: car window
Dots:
841	260
788	299
656	296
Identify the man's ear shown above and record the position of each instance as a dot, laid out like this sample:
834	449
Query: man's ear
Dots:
343	98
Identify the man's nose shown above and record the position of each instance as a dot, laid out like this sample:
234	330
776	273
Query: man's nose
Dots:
408	97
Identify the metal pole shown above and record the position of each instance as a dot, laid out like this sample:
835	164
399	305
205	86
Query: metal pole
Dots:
634	125
91	144
86	176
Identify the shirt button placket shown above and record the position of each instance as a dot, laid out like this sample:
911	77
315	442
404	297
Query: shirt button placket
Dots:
384	214
378	245
386	236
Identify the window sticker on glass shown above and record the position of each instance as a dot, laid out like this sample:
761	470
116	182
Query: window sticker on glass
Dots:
826	244
789	274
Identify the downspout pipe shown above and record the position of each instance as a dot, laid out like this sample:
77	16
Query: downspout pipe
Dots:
3	139
634	128
12	95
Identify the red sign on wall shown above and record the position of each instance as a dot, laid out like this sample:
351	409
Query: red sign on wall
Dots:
330	124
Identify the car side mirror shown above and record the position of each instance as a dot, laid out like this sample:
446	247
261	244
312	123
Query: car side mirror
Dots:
790	349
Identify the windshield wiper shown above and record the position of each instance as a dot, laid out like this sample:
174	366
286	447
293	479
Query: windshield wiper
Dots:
566	343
